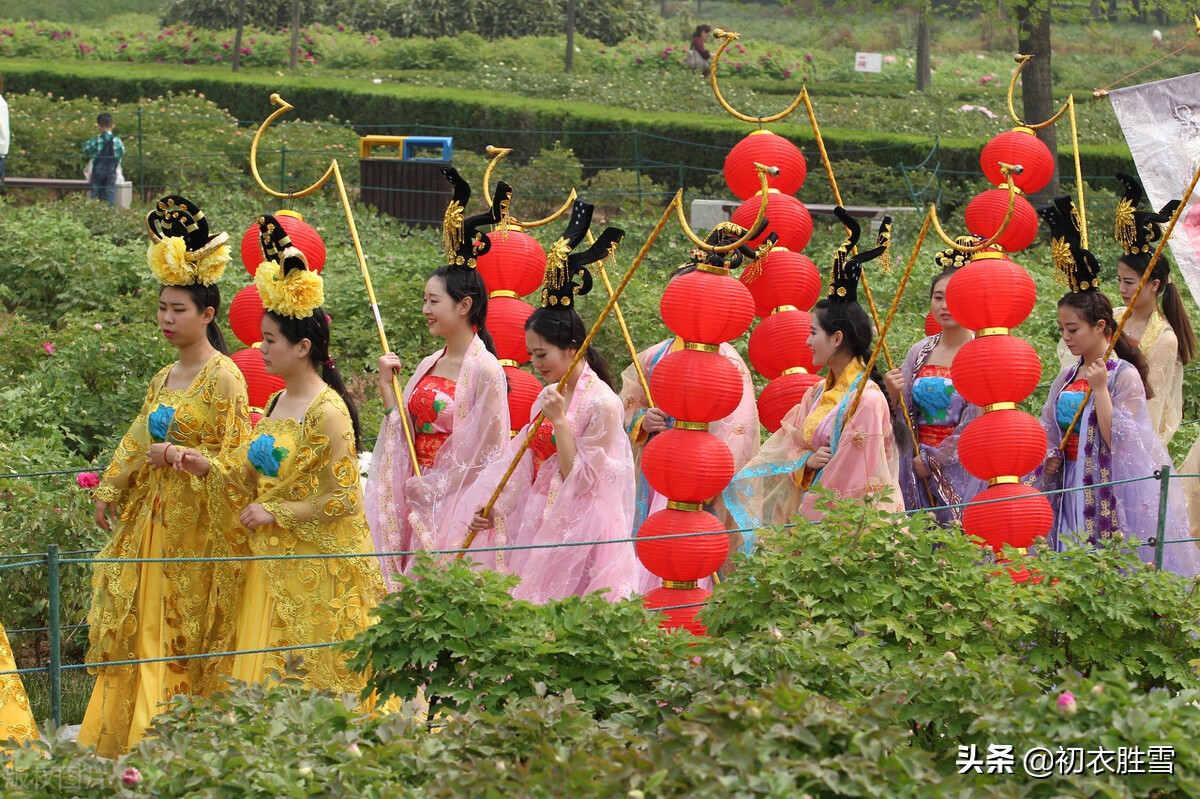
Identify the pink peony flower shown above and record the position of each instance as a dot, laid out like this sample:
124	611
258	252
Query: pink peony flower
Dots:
889	59
48	347
131	777
88	480
1066	703
808	56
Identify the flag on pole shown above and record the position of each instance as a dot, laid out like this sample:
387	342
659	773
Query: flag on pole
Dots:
1161	123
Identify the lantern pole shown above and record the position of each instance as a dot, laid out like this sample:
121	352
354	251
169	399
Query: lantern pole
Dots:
675	206
881	345
633	353
1069	109
335	172
1112	343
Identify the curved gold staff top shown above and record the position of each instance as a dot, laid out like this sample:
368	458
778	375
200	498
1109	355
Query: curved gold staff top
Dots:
727	38
1022	60
1007	169
284	107
751	230
336	173
1068	108
498	153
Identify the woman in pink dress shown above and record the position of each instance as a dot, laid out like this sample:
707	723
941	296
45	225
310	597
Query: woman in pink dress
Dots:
455	401
821	443
575	483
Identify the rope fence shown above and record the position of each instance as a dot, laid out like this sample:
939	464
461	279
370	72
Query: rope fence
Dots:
53	559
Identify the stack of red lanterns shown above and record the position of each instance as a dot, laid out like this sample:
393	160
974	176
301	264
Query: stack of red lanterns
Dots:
513	267
687	464
996	371
785	284
246	311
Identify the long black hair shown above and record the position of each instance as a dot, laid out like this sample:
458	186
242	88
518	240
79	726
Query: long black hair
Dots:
1172	304
565	330
462	282
849	319
206	297
315	328
1093	307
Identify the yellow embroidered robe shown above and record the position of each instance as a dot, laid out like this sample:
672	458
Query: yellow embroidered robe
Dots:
152	610
310	484
16	720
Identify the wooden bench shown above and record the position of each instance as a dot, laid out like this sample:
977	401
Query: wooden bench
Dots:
62	186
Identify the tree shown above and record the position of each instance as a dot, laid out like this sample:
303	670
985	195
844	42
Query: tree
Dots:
924	48
1037	96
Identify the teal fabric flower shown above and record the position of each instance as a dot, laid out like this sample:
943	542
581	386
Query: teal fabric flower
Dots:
265	457
160	422
933	396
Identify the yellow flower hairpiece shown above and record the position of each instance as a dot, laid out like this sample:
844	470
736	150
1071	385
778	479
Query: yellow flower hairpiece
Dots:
296	294
172	264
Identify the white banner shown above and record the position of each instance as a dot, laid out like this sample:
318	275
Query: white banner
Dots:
1161	123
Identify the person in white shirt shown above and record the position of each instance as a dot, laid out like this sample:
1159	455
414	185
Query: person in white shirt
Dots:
4	134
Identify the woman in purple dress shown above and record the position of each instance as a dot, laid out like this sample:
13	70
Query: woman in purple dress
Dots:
933	477
1114	440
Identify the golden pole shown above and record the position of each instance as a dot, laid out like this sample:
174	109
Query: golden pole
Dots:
633	353
1187	195
881	345
335	172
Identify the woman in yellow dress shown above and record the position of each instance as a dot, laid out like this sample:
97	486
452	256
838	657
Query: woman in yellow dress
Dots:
16	719
150	610
300	477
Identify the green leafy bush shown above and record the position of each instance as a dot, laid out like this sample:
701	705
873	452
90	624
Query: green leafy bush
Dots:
455	632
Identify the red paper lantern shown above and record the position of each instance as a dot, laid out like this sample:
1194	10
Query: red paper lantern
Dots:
696	386
687	466
523	389
707	308
260	384
1019	146
515	262
786	216
1000	443
932	328
1023	517
780	342
304	237
246	314
684	617
781	395
682	559
985	215
506	322
769	149
995	369
783	277
990	292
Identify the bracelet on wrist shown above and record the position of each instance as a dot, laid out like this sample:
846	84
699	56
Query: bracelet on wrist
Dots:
388	411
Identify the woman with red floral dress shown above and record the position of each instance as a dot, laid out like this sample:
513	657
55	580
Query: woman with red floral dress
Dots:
456	403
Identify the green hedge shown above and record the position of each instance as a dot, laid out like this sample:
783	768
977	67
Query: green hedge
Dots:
661	142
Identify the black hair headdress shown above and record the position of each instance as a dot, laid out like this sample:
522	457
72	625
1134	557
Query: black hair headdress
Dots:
1137	231
183	252
1076	268
564	267
462	240
847	269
